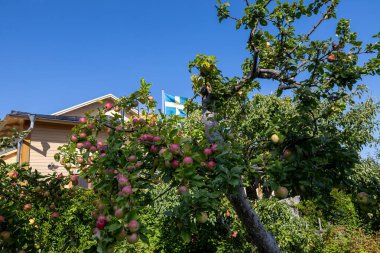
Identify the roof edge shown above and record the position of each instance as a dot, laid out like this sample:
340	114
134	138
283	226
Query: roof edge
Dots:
84	104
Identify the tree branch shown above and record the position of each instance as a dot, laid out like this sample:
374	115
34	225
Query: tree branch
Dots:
306	37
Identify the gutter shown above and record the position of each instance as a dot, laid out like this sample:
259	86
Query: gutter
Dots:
32	118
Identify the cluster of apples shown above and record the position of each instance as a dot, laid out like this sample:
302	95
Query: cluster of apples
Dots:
128	231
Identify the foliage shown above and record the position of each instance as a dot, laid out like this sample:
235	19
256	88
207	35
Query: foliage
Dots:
343	211
39	213
293	234
306	144
341	239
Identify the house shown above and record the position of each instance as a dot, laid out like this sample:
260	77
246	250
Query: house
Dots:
45	133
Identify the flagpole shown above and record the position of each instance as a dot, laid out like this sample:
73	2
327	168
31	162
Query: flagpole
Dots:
163	101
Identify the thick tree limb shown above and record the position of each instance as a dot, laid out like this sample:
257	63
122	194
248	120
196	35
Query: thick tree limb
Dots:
263	240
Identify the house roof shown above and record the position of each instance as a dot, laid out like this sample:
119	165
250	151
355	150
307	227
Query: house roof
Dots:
108	96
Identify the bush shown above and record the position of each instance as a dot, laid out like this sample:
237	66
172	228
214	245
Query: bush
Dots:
342	239
293	234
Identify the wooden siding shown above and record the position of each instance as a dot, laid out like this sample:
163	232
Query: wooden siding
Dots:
10	157
45	140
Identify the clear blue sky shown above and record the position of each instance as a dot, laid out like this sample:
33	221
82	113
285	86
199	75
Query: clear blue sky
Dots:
58	53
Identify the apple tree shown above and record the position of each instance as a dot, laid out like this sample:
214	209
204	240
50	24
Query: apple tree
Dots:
235	145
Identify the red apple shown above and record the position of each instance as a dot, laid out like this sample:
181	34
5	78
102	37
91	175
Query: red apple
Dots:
87	145
108	106
101	222
182	189
132	158
153	149
74	179
127	190
162	151
74	138
28	207
208	151
80	159
174	148
133	226
156	138
13	174
234	234
2	218
122	180
119	213
82	135
132	238
211	165
174	164
55	215
135	120
187	161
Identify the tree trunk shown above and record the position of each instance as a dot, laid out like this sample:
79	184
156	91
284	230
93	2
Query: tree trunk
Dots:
258	236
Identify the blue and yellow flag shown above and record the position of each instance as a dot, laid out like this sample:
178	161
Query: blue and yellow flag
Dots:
173	105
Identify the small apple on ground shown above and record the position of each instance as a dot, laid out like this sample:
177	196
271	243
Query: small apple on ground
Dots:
281	192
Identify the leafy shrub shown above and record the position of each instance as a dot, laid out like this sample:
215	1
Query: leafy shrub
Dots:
342	239
293	234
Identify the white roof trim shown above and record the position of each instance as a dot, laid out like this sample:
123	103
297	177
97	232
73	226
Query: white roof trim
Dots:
88	103
84	104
